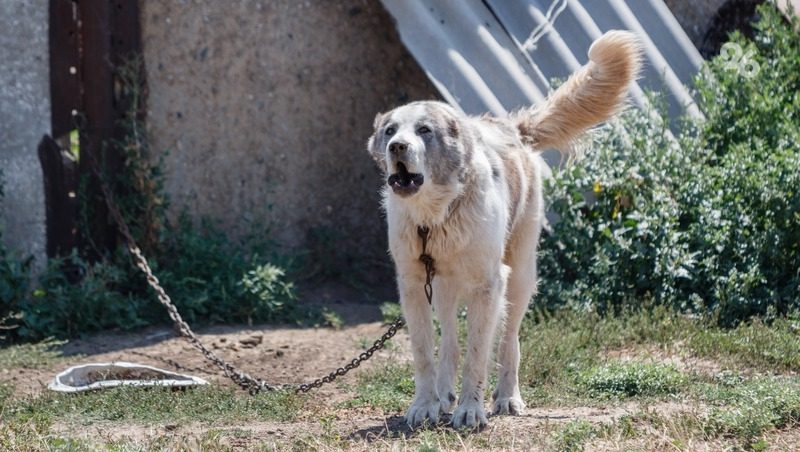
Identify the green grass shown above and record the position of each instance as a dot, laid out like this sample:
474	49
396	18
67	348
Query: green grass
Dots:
631	379
558	348
573	435
388	388
570	359
749	409
202	404
30	356
773	347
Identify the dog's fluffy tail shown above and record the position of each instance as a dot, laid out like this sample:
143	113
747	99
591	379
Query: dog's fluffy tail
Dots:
591	95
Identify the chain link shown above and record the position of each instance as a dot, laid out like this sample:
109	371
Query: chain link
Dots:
245	381
427	260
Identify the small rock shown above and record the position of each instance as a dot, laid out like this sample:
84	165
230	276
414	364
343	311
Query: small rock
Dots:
252	341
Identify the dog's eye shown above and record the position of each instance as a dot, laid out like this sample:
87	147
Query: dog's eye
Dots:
390	131
423	130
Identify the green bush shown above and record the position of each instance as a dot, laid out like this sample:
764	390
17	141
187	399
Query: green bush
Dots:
209	278
706	221
14	276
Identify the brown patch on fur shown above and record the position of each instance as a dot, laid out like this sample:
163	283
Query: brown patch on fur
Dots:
591	95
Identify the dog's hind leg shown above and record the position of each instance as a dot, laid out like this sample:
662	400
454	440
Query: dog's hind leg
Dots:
484	311
445	302
521	288
419	319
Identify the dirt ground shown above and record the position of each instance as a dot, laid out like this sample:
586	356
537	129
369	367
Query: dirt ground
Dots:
278	355
295	355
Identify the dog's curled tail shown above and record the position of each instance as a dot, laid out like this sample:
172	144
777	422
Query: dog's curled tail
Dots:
591	95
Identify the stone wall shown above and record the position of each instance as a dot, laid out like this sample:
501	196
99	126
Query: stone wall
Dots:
24	118
263	110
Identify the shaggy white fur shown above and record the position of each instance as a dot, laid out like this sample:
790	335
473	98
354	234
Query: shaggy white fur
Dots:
476	182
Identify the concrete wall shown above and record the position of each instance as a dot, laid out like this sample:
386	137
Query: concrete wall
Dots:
265	108
24	118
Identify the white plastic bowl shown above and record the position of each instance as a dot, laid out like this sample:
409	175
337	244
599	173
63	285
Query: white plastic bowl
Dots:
87	377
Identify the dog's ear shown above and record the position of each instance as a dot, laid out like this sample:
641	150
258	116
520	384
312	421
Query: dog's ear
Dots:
378	120
453	127
373	144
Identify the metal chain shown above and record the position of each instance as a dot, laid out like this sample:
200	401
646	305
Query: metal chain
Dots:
379	344
427	260
242	379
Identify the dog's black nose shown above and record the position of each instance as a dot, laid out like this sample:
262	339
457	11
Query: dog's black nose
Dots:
398	147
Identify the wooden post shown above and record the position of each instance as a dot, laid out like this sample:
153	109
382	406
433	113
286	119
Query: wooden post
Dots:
89	41
61	209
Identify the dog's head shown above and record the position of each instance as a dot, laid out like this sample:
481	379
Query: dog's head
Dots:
418	146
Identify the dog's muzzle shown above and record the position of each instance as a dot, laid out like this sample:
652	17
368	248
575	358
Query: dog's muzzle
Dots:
404	183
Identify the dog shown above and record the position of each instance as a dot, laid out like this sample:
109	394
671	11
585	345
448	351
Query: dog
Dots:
476	184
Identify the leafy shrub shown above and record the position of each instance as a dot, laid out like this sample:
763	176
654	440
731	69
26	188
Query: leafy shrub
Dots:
707	221
209	278
265	292
631	379
102	299
14	276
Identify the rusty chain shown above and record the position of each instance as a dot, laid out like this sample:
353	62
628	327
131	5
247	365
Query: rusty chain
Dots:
242	379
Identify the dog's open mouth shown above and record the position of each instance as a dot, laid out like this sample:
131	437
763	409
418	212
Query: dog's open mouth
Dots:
404	183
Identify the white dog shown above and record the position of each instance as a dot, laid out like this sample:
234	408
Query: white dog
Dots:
476	183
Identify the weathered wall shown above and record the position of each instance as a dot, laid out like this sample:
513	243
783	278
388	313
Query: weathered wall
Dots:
265	108
24	118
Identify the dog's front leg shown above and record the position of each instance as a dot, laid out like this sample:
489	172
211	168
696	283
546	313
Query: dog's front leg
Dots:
419	319
446	306
484	311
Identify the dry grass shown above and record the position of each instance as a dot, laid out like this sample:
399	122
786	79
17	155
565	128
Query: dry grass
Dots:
614	383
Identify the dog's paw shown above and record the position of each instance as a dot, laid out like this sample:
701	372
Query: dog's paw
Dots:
469	414
447	402
508	405
421	411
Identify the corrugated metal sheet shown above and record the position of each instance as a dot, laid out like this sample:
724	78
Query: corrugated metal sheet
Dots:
481	57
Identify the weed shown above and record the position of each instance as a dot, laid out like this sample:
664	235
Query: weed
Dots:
332	319
573	435
265	293
631	379
756	406
390	312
